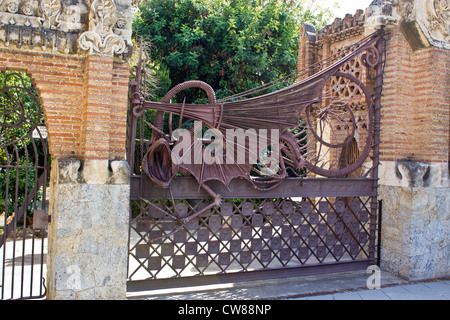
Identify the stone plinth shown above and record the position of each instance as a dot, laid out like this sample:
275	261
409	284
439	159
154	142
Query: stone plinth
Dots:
415	241
88	233
415	236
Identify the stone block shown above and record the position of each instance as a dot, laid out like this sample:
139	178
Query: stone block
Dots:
88	234
415	231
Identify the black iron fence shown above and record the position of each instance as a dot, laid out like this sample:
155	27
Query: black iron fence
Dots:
24	170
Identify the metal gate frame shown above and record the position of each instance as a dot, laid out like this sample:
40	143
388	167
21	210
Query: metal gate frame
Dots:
24	220
322	199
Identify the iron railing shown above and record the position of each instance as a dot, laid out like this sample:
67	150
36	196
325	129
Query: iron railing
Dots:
24	173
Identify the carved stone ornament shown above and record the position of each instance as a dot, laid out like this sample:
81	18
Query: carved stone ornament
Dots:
28	9
68	26
433	16
380	13
437	20
51	10
101	38
425	22
40	24
12	7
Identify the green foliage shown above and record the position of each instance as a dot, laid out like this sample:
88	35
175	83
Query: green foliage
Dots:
20	179
19	113
233	45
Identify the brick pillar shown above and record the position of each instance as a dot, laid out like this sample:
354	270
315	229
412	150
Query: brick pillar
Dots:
414	171
105	108
306	54
414	175
97	109
119	109
89	204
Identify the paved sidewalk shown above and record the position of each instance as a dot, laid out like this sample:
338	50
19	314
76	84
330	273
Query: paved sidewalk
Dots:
433	290
338	286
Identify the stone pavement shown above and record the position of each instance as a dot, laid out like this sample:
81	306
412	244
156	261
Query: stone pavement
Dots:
338	286
432	290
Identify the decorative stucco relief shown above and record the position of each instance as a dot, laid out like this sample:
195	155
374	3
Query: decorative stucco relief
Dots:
41	24
51	10
101	38
437	20
426	20
67	26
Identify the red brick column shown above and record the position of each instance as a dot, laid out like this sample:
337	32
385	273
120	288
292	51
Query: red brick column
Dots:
416	103
97	106
415	154
105	108
119	107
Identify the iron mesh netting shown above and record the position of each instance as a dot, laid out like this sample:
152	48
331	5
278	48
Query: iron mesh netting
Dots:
247	235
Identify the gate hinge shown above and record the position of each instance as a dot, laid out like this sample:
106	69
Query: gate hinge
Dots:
40	219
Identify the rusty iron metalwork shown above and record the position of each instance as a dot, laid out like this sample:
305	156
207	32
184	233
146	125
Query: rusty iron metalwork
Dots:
253	234
213	218
23	217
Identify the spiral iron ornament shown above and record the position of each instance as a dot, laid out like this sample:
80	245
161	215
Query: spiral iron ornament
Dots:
20	111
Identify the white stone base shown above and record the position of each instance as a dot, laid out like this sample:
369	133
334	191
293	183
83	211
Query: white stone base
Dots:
415	241
88	233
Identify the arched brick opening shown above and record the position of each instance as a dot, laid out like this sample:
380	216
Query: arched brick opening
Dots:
78	63
54	92
83	98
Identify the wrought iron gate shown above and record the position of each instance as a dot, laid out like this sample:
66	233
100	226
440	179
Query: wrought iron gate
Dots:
24	169
316	214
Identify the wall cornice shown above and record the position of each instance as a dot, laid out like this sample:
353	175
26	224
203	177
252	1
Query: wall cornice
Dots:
68	26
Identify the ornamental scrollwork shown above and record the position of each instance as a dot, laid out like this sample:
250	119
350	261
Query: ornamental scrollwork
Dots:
51	10
101	38
20	110
433	17
68	26
439	16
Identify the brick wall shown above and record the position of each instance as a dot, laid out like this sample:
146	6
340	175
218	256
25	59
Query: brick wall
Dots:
315	46
307	53
118	111
416	90
415	126
84	98
414	174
